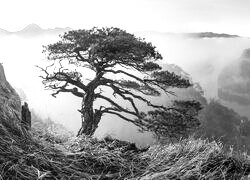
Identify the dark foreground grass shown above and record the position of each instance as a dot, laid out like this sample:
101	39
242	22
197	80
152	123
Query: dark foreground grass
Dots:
88	158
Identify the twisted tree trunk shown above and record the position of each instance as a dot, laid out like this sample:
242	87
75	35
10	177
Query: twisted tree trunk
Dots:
90	117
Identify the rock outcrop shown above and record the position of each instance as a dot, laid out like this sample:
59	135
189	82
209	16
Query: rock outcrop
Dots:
10	108
26	116
2	74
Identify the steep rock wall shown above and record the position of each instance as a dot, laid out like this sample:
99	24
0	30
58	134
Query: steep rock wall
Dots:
10	107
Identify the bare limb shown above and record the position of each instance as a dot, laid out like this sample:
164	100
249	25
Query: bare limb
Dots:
115	104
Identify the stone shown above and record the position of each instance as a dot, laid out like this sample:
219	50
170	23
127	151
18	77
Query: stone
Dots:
26	116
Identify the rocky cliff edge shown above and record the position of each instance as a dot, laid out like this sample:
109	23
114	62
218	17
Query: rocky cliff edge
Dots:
10	108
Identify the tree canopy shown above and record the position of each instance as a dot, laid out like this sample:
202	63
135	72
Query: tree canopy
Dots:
118	61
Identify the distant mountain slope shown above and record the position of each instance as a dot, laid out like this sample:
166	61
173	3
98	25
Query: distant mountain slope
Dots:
211	35
234	81
196	35
33	30
4	32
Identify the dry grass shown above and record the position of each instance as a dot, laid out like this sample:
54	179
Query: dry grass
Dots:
194	159
88	158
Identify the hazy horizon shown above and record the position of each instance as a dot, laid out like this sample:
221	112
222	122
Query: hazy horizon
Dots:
223	16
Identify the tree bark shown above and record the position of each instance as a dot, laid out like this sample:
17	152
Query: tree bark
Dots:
90	117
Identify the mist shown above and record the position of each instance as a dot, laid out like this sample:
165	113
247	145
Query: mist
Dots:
202	58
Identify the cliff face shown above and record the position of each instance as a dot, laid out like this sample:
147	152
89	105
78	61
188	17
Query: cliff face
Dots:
10	107
2	74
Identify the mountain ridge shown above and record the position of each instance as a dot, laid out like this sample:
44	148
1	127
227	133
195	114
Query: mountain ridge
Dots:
33	29
195	35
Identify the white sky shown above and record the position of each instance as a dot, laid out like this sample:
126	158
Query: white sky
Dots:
227	16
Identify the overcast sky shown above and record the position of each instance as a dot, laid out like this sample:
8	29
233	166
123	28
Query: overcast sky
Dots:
227	16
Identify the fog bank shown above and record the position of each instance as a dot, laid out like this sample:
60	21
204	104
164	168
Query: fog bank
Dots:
202	58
